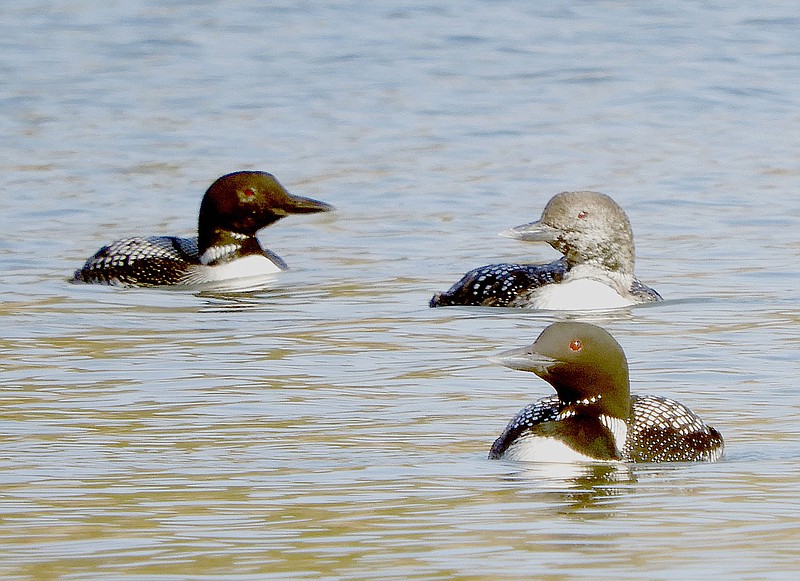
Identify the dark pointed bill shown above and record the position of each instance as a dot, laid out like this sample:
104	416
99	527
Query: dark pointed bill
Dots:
533	232
300	205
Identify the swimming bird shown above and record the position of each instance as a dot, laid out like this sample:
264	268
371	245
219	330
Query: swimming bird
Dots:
595	272
235	207
593	416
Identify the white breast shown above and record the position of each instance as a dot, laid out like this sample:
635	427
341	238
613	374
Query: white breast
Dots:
581	294
247	266
243	274
538	449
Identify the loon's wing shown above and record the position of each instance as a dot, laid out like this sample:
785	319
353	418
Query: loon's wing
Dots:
497	285
663	430
138	261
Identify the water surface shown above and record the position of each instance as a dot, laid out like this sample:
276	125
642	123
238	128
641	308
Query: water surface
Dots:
334	427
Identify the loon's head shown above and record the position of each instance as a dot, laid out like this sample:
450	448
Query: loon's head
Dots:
583	362
239	204
586	227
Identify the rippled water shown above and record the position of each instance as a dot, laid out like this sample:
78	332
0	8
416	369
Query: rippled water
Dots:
333	426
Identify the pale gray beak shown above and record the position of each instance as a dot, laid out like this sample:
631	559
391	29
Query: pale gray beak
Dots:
523	359
533	232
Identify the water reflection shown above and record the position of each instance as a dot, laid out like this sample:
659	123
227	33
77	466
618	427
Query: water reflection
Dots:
576	489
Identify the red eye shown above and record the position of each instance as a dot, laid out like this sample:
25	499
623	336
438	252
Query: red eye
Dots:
576	345
248	193
582	214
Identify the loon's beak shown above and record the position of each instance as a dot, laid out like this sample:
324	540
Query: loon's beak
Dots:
300	205
524	359
534	232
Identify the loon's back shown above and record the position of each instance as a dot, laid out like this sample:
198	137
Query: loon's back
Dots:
658	430
140	261
664	430
499	285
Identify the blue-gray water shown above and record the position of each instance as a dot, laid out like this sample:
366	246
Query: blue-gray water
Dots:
334	427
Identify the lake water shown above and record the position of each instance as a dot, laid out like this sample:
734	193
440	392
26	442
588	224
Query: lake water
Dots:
334	427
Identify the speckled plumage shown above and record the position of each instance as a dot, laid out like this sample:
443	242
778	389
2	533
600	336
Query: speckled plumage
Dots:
594	235
659	430
156	261
232	211
593	416
500	285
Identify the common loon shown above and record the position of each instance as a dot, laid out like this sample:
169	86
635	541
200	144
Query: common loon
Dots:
226	251
596	272
593	416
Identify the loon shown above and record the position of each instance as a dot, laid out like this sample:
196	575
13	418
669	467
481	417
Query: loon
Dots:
593	416
235	207
595	272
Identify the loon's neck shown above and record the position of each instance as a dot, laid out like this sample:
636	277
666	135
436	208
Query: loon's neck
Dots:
224	245
619	280
615	255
